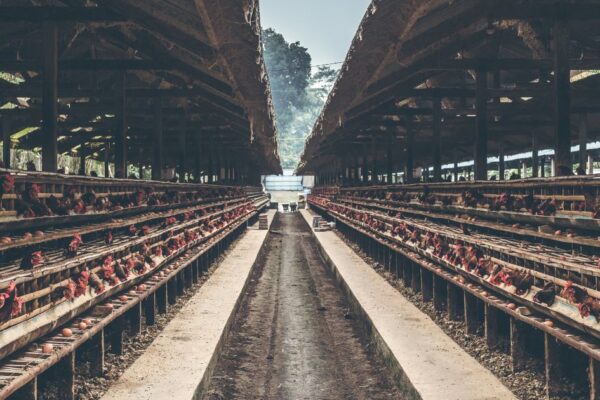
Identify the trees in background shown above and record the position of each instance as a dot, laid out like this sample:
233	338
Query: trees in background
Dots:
299	92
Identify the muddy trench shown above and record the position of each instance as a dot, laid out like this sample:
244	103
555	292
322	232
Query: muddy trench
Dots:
294	336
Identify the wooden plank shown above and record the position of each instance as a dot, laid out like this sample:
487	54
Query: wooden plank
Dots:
50	13
562	99
50	97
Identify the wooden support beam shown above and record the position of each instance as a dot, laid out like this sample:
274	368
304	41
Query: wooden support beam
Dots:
51	13
594	378
172	290
438	293
180	284
182	142
553	368
115	335
390	159
480	155
583	138
90	356
454	302
157	143
415	277
410	142
59	379
426	284
535	159
120	136
437	140
29	391
6	144
150	309
50	97
518	345
562	99
134	317
162	302
472	313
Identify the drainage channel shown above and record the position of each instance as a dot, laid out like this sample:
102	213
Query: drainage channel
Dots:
294	335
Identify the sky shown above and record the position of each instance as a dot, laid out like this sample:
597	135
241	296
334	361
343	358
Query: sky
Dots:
325	27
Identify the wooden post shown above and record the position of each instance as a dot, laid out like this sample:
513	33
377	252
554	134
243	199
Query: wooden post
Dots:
172	290
501	164
493	328
415	281
82	156
59	379
211	171
562	99
471	313
107	160
518	348
454	302
6	144
90	356
120	136
408	172
553	368
390	159
481	136
180	284
426	284
158	160
116	336
535	160
583	138
182	149
150	309
162	302
438	294
594	378
29	391
437	140
365	169
49	97
134	316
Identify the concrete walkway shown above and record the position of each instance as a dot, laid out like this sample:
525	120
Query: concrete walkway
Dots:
429	361
181	358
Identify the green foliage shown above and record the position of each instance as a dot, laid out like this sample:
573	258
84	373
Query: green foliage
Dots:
298	93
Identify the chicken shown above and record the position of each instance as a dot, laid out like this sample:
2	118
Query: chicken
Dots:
96	283
121	272
589	306
32	260
73	247
546	295
523	281
10	304
109	237
7	184
574	294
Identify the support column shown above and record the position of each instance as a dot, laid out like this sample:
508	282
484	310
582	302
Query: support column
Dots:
501	164
107	160
157	161
6	141
562	99
481	135
211	171
182	149
535	160
59	379
437	140
120	135
82	156
365	170
49	97
390	159
408	172
583	133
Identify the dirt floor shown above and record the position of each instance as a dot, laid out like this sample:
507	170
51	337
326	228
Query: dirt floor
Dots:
293	337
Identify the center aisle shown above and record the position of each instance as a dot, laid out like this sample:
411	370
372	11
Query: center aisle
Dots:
293	337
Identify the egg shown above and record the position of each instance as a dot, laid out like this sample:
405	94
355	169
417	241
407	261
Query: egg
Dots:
38	234
548	323
511	306
87	321
516	226
67	332
141	288
5	240
82	326
47	348
27	236
123	298
558	232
